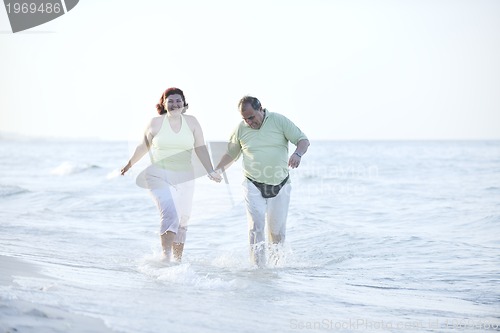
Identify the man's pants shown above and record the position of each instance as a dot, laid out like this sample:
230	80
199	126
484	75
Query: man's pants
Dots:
276	210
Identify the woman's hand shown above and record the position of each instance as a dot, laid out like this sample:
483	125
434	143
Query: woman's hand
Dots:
125	168
215	176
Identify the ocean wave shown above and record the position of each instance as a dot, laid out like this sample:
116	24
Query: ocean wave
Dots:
493	188
7	190
70	168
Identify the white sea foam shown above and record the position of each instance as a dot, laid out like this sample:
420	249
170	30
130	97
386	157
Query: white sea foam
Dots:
183	274
113	174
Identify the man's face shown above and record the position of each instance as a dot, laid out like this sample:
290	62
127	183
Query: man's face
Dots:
252	117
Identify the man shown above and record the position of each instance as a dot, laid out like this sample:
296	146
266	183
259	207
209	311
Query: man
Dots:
262	138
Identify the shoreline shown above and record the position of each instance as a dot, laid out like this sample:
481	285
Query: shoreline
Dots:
21	315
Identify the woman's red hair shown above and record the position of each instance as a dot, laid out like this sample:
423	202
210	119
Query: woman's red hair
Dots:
160	107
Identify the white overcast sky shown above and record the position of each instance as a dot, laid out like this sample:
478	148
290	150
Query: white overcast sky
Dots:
339	69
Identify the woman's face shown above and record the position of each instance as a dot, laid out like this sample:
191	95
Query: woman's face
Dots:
174	102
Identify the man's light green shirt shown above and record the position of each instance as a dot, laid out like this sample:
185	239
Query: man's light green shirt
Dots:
265	150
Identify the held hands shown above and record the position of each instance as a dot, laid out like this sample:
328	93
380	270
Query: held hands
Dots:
215	176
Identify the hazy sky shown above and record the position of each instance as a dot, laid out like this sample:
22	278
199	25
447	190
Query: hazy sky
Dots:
338	69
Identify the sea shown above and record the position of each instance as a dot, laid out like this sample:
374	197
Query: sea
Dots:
385	236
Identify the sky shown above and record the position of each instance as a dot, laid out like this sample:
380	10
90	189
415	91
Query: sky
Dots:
341	70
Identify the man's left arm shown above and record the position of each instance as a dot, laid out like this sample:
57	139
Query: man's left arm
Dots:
297	137
296	157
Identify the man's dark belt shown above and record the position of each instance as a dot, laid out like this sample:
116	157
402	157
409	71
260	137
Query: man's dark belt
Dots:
269	191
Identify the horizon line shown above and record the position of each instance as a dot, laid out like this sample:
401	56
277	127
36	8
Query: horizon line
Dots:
11	136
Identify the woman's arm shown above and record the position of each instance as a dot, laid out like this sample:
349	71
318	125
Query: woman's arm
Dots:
140	150
201	150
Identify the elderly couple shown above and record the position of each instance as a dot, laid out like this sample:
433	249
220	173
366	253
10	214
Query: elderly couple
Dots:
262	138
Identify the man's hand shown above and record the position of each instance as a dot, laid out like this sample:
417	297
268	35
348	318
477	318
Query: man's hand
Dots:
215	176
294	161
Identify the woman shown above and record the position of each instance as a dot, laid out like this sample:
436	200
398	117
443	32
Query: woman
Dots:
170	139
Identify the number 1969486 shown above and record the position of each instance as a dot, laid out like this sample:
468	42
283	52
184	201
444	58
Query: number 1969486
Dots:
32	8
